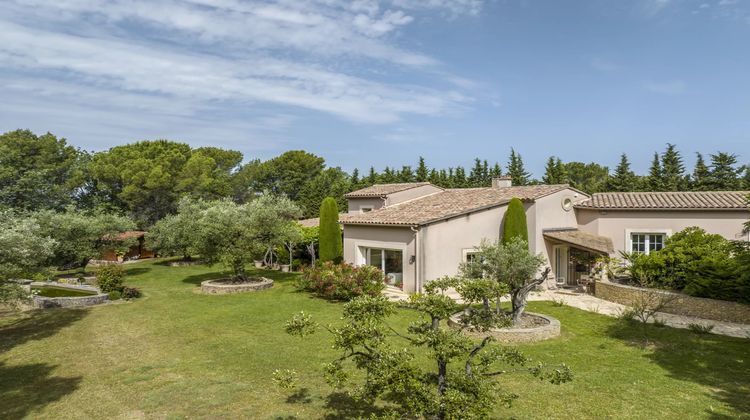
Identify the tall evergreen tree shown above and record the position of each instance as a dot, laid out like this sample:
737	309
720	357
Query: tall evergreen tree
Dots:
655	178
673	170
422	172
555	172
624	178
486	179
746	180
459	177
514	223
475	176
331	246
406	174
434	177
725	175
496	171
388	176
516	170
701	173
354	179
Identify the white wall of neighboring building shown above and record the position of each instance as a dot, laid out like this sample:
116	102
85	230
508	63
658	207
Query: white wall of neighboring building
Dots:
619	224
356	204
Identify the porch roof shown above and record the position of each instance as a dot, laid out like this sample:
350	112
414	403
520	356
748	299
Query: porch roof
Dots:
579	239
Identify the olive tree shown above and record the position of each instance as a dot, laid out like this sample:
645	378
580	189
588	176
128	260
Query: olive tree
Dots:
233	233
24	250
81	236
511	264
176	234
462	378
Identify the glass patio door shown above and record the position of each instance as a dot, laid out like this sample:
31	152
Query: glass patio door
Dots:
561	264
390	261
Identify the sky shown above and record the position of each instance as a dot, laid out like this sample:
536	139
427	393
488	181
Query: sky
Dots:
381	82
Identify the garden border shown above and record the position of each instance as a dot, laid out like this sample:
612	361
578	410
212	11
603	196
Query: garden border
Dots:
43	302
209	287
516	335
682	304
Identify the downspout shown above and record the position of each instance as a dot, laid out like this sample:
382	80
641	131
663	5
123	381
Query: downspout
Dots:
417	259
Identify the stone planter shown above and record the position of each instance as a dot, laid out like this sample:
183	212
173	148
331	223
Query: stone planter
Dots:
43	302
285	268
226	286
258	264
549	329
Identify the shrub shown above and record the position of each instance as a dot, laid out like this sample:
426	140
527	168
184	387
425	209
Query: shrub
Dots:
115	295
514	225
700	328
109	278
131	292
342	281
331	247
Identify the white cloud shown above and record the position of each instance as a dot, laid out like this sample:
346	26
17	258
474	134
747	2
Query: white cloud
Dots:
244	53
673	87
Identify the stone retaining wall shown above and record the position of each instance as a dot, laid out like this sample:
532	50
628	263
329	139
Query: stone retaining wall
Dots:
515	335
717	310
42	302
216	288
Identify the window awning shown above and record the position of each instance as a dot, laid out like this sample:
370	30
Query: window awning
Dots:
583	240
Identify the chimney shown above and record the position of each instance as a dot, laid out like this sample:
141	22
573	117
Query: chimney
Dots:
502	182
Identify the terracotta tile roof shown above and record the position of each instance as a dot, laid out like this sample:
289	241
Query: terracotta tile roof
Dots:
581	239
447	204
692	200
313	222
130	234
381	190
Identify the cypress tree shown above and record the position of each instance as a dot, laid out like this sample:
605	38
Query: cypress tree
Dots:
517	172
459	177
672	170
331	246
555	172
475	176
655	180
406	174
699	180
496	170
422	172
372	178
624	178
354	180
514	225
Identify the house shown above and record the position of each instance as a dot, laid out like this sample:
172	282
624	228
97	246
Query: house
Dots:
417	232
136	251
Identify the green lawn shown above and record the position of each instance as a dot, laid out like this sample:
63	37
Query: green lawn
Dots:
175	354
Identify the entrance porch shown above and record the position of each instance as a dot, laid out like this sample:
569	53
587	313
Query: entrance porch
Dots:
574	254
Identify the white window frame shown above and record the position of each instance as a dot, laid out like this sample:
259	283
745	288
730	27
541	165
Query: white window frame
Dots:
466	252
630	232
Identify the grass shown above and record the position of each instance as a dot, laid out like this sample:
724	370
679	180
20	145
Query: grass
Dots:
177	354
46	291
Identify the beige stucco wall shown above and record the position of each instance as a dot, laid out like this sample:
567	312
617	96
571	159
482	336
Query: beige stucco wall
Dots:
411	194
618	224
399	238
356	204
444	243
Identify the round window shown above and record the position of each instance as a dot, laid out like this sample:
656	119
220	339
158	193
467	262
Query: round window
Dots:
567	204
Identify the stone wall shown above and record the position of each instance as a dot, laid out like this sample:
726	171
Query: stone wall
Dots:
717	310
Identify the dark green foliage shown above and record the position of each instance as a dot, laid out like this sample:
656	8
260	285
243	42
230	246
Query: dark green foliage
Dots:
422	172
624	179
698	263
109	277
555	172
131	292
588	177
39	172
516	169
285	174
725	174
699	180
343	281
115	295
514	225
331	246
655	177
332	182
673	170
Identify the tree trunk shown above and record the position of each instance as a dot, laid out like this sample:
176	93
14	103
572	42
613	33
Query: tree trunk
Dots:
311	250
518	296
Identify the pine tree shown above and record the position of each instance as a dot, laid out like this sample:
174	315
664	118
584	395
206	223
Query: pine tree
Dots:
655	179
475	176
496	171
516	170
388	176
354	180
331	246
724	175
746	181
459	177
624	178
406	174
485	174
422	172
514	225
555	172
446	178
434	177
699	180
673	170
372	177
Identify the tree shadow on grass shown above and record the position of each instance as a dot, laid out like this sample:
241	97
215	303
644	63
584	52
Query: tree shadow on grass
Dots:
198	278
301	396
343	406
37	325
717	362
136	271
27	388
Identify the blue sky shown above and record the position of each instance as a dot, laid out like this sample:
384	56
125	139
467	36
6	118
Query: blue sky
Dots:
381	82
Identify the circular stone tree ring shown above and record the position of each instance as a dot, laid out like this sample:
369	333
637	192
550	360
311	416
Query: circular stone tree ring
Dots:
226	286
545	327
